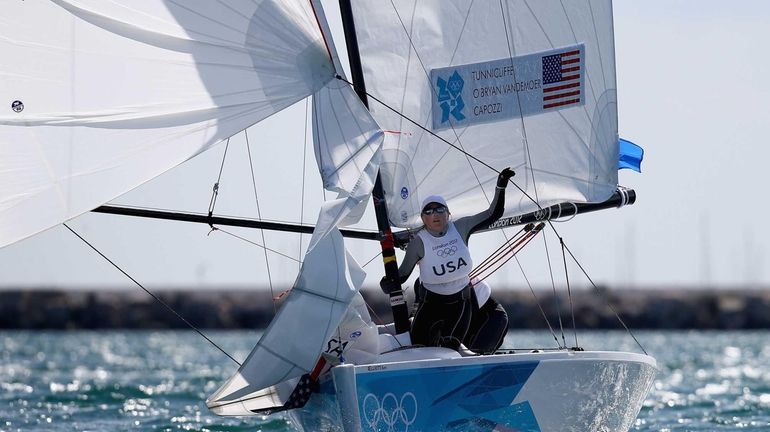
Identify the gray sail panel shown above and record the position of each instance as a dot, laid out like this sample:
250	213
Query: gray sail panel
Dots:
295	339
530	86
102	96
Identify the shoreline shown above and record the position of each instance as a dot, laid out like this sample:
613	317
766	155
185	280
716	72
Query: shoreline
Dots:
690	308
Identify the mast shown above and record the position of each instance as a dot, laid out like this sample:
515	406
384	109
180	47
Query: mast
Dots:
397	302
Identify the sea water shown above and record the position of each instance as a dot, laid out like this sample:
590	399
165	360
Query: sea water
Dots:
158	381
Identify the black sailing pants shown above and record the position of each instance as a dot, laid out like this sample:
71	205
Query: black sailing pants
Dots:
489	324
442	320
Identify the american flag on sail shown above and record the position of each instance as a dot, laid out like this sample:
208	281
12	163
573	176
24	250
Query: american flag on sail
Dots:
561	79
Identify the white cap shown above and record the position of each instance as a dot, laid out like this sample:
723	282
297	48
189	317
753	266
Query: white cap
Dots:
433	199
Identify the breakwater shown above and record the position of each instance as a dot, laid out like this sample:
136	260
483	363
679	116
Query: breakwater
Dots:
230	309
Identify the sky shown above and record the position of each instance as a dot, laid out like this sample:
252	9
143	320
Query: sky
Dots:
691	91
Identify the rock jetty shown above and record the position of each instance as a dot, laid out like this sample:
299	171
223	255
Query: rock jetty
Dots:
657	308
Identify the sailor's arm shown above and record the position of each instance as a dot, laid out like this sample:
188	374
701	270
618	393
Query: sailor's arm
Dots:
468	225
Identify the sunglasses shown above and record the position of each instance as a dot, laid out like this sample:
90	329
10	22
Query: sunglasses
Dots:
430	211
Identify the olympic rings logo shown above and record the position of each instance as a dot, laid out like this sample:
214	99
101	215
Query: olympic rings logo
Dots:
447	251
390	414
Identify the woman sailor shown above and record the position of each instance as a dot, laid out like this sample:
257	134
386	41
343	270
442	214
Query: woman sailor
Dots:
441	251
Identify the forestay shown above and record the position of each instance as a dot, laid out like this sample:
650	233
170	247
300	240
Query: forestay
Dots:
526	84
98	97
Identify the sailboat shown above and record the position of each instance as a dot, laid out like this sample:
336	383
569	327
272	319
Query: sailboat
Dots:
441	96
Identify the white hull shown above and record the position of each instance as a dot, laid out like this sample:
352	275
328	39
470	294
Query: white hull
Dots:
556	391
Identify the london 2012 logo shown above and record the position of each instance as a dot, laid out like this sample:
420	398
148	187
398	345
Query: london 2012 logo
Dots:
390	413
450	97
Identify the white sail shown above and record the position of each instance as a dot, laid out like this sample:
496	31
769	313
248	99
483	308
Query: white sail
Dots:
295	339
526	84
347	143
100	97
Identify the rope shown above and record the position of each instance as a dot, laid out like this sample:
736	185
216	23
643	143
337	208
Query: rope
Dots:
259	215
507	254
487	261
158	299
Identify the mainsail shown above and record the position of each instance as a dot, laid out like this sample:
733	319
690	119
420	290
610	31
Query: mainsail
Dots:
468	86
100	97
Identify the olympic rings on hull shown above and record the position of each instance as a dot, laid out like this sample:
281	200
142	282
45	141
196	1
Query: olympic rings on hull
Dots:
390	414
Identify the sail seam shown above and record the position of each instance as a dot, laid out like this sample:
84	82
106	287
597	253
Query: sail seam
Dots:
331	299
588	76
433	92
352	154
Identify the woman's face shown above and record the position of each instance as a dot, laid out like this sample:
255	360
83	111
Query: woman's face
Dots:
434	218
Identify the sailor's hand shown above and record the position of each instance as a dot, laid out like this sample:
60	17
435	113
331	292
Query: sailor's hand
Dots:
505	175
388	286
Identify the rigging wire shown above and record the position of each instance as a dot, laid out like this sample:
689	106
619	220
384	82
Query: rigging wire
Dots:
255	244
373	258
537	301
569	291
259	215
302	194
531	170
153	295
557	306
605	298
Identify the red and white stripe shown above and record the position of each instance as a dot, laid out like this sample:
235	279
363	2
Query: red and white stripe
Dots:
568	90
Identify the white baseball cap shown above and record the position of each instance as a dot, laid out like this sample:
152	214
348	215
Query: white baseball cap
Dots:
433	199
